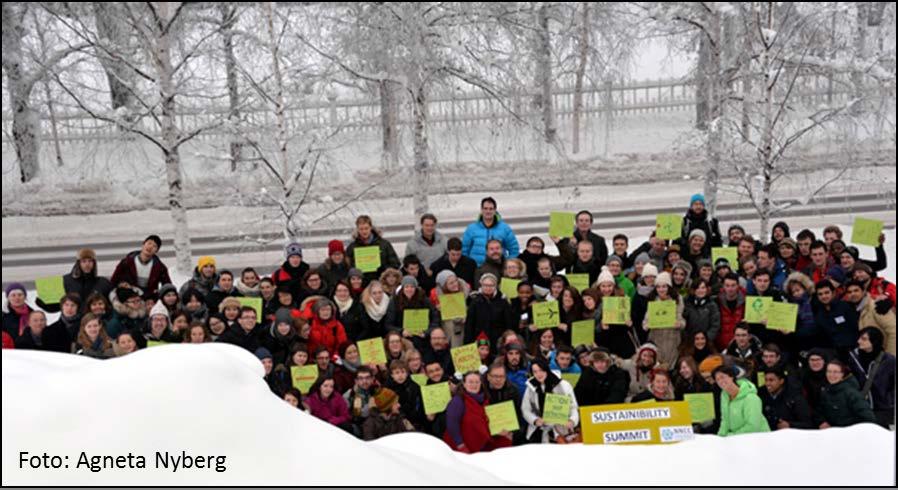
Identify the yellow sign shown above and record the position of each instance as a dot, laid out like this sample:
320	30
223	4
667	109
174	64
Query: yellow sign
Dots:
420	379
561	224
756	308
557	409
583	333
546	314
254	303
466	358
662	314
452	306
866	231
416	320
371	351
782	316
668	226
615	310
571	378
701	406
627	423
50	289
578	281
304	377
502	416
731	254
509	287
367	259
436	397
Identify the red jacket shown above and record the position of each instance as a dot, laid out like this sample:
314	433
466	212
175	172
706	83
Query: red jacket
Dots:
475	426
126	271
728	320
881	287
330	334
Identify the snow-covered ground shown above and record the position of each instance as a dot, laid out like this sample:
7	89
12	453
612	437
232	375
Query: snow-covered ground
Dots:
210	400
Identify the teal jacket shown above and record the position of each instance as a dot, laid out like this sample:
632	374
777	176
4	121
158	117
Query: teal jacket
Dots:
743	414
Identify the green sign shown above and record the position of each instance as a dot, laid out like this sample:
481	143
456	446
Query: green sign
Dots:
50	289
156	343
304	377
416	320
452	306
615	310
701	406
420	379
509	287
546	314
782	316
756	308
466	358
367	259
371	351
254	303
583	333
571	378
729	253
436	397
866	232
579	281
561	224
662	314
502	417
761	380
557	409
668	226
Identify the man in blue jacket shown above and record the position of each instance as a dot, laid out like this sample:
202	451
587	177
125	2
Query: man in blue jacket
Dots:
488	227
836	319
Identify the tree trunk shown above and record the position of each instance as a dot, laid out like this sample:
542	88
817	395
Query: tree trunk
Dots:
701	83
170	141
25	128
228	18
747	83
716	89
766	149
544	61
110	27
388	111
51	109
860	43
578	84
422	164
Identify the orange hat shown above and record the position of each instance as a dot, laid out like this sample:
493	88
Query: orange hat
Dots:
384	399
710	364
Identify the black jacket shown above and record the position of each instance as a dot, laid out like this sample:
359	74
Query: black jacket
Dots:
599	248
279	345
54	338
704	222
411	404
595	388
464	269
788	405
355	321
841	405
490	315
239	337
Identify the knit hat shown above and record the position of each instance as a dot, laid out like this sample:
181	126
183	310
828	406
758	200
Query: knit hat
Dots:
87	253
15	286
703	263
204	261
443	276
123	294
514	346
155	239
335	246
698	232
482	339
642	258
697	197
852	251
355	273
710	363
321	302
263	353
293	248
674	247
858	266
649	270
159	309
487	276
409	281
722	262
614	258
282	315
228	302
384	399
686	266
648	346
664	279
168	288
790	242
605	276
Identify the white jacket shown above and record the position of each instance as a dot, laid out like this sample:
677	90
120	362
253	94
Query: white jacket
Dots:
531	410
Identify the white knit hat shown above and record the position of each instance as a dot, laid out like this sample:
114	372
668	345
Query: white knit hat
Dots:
605	276
664	278
649	269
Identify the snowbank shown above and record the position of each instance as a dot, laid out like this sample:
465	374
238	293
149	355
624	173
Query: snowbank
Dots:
211	400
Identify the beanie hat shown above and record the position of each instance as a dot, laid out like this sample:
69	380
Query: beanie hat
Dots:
168	288
384	399
283	315
443	276
123	294
852	251
664	279
697	232
155	239
204	261
710	363
228	302
335	246
614	258
649	270
697	197
642	258
293	248
858	266
673	248
648	346
703	263
87	253
686	266
263	353
159	309
605	276
355	273
790	242
488	276
482	339
409	281
321	302
722	262
13	286
514	346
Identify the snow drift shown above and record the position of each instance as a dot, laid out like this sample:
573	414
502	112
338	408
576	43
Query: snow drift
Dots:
210	400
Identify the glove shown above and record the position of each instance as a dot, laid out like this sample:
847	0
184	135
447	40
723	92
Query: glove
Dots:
883	306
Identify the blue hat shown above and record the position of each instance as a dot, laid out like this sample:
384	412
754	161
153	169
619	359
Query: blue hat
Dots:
697	197
293	249
263	353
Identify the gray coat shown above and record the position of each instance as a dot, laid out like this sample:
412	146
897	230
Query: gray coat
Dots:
425	252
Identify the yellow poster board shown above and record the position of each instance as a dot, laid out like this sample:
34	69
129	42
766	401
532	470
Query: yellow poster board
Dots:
415	320
466	358
578	281
668	226
436	397
628	423
662	314
782	316
583	333
571	378
615	310
756	308
371	351
254	303
729	253
561	224
367	259
701	406
546	314
866	231
452	306
509	287
50	289
502	416
557	409
304	377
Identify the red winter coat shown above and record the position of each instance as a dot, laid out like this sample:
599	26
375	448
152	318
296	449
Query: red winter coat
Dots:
475	428
126	271
881	287
728	320
330	334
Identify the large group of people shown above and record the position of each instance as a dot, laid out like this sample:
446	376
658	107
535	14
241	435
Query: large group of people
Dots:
837	367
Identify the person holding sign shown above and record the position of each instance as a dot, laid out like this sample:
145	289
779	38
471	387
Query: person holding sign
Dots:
488	225
666	326
583	233
698	218
83	280
581	261
467	426
366	235
326	404
450	296
533	405
411	297
615	326
488	311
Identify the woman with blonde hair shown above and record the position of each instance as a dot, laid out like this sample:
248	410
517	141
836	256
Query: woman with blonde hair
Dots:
92	339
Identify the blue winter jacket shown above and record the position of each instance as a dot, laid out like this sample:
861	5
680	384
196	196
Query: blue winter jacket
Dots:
473	242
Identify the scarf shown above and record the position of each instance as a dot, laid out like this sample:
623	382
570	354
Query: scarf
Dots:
22	311
343	306
377	311
352	367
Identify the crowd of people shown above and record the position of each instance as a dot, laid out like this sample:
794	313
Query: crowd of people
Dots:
837	368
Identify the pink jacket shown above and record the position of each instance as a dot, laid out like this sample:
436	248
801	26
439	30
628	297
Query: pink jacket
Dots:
334	410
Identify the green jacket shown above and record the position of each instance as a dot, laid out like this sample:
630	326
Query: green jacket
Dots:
842	405
743	414
626	285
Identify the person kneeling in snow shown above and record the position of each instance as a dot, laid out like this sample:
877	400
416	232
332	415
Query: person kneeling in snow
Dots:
388	420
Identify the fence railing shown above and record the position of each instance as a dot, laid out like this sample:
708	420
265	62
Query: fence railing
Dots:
607	100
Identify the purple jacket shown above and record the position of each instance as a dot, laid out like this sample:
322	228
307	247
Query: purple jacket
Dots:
334	410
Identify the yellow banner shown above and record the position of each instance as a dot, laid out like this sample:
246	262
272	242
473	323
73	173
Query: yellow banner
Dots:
642	423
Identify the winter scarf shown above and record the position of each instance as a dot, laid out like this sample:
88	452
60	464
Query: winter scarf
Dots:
377	311
22	311
343	306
